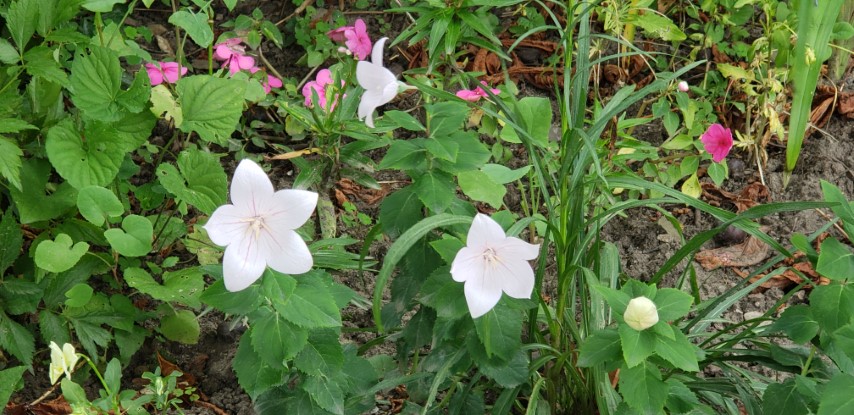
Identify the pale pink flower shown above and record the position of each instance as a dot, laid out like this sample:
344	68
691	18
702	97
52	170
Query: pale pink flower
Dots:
717	141
683	86
321	85
168	71
358	40
234	54
271	81
474	95
337	35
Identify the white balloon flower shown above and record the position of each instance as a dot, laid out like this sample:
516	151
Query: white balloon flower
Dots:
492	263
380	84
61	361
258	228
641	313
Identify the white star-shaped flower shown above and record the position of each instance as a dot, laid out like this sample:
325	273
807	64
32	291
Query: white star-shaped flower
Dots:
380	84
61	361
257	229
492	263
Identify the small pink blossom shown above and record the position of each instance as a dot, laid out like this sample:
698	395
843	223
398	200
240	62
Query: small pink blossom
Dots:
271	81
474	95
358	40
717	141
683	86
337	35
234	54
320	85
168	71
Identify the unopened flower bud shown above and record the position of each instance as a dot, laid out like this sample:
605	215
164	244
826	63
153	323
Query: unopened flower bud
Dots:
641	313
683	86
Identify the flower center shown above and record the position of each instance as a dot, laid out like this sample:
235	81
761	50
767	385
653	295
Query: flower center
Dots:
490	257
256	223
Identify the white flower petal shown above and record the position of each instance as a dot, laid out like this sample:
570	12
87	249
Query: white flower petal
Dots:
249	185
514	276
481	295
377	51
69	358
227	224
370	102
286	251
516	248
242	264
484	233
467	265
373	77
288	209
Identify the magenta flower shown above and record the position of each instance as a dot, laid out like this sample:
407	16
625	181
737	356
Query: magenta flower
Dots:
358	41
321	86
474	95
168	71
717	140
337	35
234	54
270	83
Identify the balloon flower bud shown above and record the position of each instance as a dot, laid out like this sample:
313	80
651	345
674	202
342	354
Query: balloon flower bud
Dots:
641	313
683	86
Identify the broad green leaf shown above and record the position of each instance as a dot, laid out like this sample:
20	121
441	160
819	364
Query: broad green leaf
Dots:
678	351
282	399
691	186
113	375
134	239
101	6
499	331
163	103
34	205
447	247
182	327
681	399
403	120
73	392
135	99
735	73
535	116
59	255
40	62
657	25
442	148
21	19
201	182
11	240
502	174
472	154
637	345
276	340
311	305
446	118
322	355
184	286
480	187
8	54
95	82
211	106
79	295
252	373
672	303
91	159
838	396
17	340
642	388
325	392
10	161
832	305
132	130
9	380
97	204
600	347
196	25
53	328
798	323
784	398
436	190
835	260
508	373
404	155
15	125
241	303
199	244
400	210
20	296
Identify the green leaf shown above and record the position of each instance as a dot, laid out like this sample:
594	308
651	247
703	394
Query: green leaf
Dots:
136	98
163	103
637	345
101	6
196	25
838	396
212	106
11	240
678	351
9	380
34	205
201	182
508	373
600	347
252	373
447	247
325	392
311	305
184	286
832	305
97	204
404	155
292	401
10	161
17	340
95	82
472	153
113	376
181	327
322	355
657	25
535	115
436	190
642	388
134	239
73	393
59	255
8	54
400	210
53	328
79	295
798	323
784	399
681	399
672	303
446	118
403	120
40	62
835	260
241	303
276	340
499	331
21	19
90	161
502	174
480	187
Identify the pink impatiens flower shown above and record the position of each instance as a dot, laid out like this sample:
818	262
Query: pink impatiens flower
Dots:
474	95
234	54
355	37
168	71
270	83
717	140
320	85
